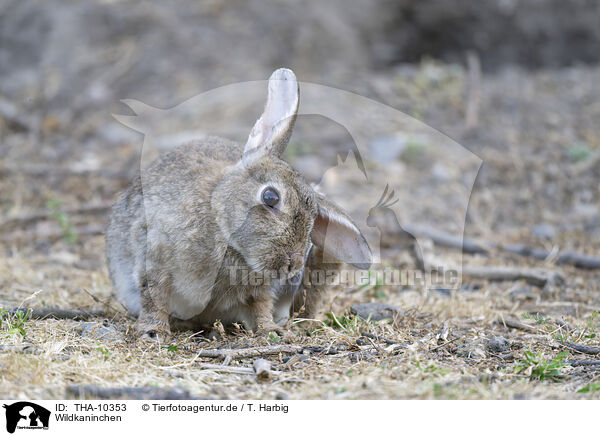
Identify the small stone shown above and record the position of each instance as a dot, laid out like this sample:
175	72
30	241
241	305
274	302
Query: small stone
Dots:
361	342
359	356
292	360
471	287
498	344
27	348
521	294
471	350
544	231
443	291
374	311
282	396
262	369
100	331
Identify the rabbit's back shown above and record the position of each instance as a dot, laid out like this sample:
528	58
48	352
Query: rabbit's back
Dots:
168	198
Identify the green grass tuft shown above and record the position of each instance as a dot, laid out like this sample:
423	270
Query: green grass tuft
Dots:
590	388
14	323
542	369
69	235
347	323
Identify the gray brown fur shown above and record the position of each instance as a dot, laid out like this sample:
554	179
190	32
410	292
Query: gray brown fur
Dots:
195	212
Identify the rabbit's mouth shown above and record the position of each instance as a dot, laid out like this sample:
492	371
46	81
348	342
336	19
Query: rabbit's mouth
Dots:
291	272
296	264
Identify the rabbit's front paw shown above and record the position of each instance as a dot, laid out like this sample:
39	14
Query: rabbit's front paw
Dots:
264	329
154	333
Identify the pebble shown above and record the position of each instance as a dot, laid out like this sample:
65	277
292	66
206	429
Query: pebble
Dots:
359	356
521	294
544	231
498	344
471	350
374	311
97	330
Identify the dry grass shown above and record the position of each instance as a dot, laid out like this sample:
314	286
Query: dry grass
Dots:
525	181
419	366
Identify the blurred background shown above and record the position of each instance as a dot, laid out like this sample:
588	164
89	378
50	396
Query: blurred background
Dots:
528	105
514	82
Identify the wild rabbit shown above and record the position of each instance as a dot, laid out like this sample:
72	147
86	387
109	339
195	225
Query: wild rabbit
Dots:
200	213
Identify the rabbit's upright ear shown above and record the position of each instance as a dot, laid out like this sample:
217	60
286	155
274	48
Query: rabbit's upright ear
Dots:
338	236
272	131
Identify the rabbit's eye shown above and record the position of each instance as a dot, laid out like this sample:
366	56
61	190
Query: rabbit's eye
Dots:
270	197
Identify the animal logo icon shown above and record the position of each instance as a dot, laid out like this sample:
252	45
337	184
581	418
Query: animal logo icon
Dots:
24	414
391	232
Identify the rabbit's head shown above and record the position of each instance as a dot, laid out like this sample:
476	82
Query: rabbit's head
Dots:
267	211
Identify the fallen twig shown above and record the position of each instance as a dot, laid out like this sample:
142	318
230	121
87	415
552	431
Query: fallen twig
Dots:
378	338
534	276
566	257
446	343
107	303
584	349
130	393
565	325
54	171
29	218
448	240
243	353
583	362
576	306
513	324
44	312
321	350
27	348
230	369
471	246
51	235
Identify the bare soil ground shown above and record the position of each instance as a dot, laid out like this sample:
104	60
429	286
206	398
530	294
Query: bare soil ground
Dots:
539	140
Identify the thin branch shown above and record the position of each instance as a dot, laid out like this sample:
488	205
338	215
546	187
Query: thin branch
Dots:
378	338
584	349
472	246
130	393
29	218
54	171
27	348
448	240
446	343
243	353
534	276
583	362
579	260
510	323
51	235
74	314
231	369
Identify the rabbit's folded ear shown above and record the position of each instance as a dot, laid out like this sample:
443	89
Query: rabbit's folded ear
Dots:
272	131
338	236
